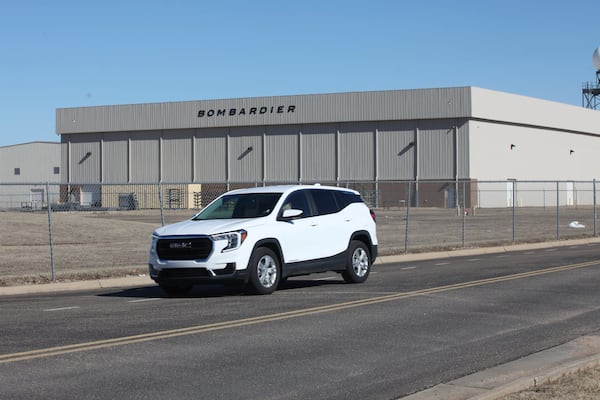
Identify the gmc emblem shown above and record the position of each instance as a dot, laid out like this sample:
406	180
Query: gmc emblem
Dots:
180	245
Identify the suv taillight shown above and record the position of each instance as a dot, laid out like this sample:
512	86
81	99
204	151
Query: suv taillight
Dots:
373	215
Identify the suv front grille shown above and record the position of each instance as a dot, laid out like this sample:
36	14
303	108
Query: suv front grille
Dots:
184	248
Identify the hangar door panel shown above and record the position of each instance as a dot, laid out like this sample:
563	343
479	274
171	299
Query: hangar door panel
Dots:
65	174
245	155
436	154
145	157
357	151
86	158
211	155
281	154
396	151
115	162
319	153
177	156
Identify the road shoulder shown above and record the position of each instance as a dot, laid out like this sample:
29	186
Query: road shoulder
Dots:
527	372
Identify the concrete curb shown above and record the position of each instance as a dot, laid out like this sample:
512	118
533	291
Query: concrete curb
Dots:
130	281
482	250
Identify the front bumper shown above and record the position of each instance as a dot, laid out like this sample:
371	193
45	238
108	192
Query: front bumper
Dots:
190	276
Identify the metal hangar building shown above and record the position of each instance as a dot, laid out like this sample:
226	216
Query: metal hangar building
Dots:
432	137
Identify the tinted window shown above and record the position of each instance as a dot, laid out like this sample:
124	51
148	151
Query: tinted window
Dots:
324	201
346	198
250	205
297	201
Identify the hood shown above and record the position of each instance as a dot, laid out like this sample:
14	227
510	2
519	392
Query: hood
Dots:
207	227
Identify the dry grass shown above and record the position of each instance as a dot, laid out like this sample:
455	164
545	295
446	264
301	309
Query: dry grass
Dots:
86	245
94	244
580	385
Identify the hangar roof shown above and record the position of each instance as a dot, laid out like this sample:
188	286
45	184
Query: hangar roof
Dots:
458	102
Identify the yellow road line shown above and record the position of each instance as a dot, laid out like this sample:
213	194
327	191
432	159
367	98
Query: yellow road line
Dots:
193	330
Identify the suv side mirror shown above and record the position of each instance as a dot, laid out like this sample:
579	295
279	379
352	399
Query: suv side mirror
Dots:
290	214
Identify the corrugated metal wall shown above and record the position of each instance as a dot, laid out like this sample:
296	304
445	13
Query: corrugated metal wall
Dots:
385	135
389	150
86	158
177	156
357	151
210	155
436	148
319	153
396	143
246	154
65	158
464	149
373	106
281	153
115	158
145	157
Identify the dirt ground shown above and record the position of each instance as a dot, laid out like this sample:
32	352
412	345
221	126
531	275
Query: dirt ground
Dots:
580	385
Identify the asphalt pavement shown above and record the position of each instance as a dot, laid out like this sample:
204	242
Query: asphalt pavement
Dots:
488	384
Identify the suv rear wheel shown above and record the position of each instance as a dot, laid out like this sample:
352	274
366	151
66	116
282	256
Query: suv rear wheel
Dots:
359	263
265	271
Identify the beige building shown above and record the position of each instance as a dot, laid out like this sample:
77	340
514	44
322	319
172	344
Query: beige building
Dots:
25	170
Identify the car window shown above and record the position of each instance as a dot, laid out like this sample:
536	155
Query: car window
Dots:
324	201
297	201
248	205
344	199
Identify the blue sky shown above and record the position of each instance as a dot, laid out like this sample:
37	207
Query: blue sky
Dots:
57	54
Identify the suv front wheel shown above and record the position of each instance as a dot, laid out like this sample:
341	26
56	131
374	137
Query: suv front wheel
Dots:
359	263
265	272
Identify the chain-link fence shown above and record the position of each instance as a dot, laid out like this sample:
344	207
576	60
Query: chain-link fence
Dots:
79	230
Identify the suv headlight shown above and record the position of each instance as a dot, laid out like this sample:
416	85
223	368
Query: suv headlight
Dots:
234	239
153	243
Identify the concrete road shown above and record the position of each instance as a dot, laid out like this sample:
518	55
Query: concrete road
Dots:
411	326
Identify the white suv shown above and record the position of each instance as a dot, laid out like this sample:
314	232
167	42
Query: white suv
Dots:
262	236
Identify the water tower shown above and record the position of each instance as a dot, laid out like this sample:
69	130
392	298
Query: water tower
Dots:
591	90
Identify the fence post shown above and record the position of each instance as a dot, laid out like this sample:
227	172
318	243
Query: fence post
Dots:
557	210
544	195
408	200
595	212
514	226
416	193
50	232
464	216
160	202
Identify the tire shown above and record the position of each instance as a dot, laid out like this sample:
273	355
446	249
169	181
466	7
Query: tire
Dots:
359	263
175	290
264	270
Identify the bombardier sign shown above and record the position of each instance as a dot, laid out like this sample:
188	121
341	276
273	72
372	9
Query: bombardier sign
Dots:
231	112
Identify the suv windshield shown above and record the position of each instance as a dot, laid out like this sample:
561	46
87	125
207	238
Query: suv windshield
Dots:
249	205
